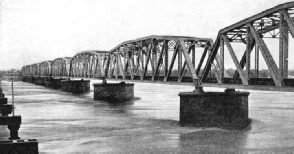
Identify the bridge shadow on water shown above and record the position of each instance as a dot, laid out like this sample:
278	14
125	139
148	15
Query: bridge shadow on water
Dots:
117	107
114	104
213	141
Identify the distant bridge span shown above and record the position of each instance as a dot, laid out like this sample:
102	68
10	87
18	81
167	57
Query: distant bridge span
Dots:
196	61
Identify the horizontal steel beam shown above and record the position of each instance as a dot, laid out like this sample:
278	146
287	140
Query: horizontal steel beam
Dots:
162	37
257	17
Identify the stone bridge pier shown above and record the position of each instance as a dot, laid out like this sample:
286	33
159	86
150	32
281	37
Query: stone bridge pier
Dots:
227	109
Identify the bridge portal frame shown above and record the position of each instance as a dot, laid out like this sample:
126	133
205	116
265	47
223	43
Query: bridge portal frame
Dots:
274	22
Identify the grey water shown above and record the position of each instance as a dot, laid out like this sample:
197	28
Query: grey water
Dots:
67	123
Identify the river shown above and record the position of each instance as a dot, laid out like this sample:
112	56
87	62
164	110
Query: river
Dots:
67	123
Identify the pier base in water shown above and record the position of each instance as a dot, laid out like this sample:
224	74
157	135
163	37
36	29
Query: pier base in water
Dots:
54	83
3	100
13	123
14	145
75	86
227	109
20	146
5	108
29	79
14	131
113	91
40	80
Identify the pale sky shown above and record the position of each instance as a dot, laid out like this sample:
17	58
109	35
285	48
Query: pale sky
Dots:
33	31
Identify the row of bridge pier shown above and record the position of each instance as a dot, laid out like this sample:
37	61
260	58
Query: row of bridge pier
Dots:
65	84
13	122
105	91
228	109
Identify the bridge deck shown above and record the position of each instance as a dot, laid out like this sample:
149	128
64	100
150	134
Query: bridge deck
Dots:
264	84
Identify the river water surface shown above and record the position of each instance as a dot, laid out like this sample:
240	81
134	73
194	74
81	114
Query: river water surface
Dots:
67	123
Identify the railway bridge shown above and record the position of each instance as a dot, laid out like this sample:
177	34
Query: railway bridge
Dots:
195	61
198	61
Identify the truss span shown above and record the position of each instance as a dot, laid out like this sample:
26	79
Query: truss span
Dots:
61	67
26	70
45	68
154	57
273	23
88	64
194	60
35	69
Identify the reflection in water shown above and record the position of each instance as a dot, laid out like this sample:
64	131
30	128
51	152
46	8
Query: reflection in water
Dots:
116	107
67	123
213	141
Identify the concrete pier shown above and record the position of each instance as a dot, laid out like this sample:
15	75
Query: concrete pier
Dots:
14	145
5	109
3	100
13	122
113	91
29	79
227	109
20	146
40	80
54	83
75	86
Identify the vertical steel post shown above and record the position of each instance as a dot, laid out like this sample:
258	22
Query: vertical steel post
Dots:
283	47
256	60
137	61
286	50
248	49
193	55
132	61
127	63
154	57
117	64
222	60
12	90
179	62
125	57
142	60
146	59
165	43
281	53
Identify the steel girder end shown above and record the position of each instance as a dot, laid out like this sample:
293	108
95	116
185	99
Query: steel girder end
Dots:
199	90
230	90
103	78
198	87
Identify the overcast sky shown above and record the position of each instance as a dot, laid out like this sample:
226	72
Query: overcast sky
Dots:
37	30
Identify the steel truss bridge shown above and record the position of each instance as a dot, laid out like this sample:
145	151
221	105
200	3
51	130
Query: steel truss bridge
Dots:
191	60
